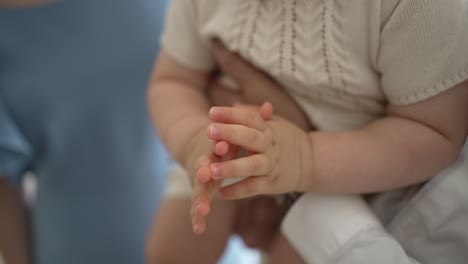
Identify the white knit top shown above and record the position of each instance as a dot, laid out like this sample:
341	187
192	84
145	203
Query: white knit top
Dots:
343	61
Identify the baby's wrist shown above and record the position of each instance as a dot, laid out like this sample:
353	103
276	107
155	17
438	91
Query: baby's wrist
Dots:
196	146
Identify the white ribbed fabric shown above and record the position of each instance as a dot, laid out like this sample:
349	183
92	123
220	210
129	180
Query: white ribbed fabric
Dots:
341	60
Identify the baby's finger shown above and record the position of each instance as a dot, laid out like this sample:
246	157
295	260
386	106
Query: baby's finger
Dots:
202	166
245	137
232	153
265	110
198	223
254	165
200	209
249	187
249	107
232	115
220	148
200	206
204	174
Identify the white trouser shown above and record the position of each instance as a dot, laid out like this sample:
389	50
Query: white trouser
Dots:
428	226
338	230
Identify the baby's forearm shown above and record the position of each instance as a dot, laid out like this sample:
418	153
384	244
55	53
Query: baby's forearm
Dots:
390	153
178	112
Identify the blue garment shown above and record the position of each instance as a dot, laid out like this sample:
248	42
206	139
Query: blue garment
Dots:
72	109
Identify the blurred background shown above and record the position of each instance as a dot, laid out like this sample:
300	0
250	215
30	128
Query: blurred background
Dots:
81	170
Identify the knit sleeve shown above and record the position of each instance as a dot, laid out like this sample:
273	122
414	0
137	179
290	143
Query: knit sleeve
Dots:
182	38
423	49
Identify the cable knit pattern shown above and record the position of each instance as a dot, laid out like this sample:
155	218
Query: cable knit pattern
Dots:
287	38
341	60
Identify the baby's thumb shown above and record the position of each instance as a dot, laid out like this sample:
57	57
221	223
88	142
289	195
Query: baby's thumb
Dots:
266	110
248	107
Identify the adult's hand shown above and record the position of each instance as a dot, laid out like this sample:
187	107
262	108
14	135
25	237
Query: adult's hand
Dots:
253	87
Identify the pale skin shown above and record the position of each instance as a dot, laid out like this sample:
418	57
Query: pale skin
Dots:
255	220
191	120
410	144
393	151
407	146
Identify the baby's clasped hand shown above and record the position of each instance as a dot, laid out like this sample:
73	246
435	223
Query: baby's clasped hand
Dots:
278	153
199	163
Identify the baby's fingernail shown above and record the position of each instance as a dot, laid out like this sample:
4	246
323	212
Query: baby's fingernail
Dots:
213	111
214	131
216	171
203	178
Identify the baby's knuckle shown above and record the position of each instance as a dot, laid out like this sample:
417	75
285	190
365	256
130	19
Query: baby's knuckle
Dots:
272	177
253	136
229	170
265	143
231	133
251	117
199	162
268	163
256	164
251	187
269	134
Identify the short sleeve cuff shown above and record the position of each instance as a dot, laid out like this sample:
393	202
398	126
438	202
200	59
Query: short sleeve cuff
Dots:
318	226
181	38
427	93
186	56
423	50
